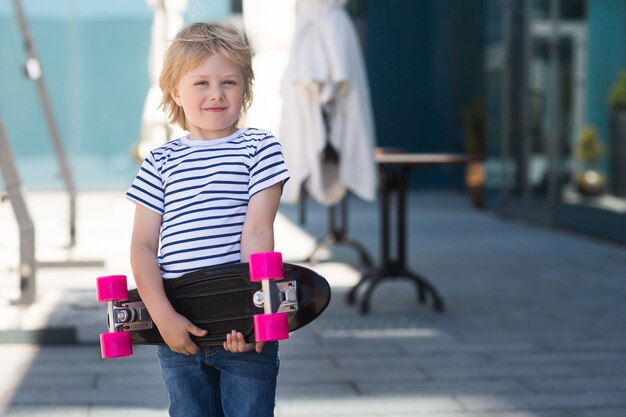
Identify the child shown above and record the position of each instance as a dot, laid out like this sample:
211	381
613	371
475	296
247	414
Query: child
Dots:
208	198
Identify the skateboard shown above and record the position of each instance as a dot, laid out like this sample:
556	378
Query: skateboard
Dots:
264	299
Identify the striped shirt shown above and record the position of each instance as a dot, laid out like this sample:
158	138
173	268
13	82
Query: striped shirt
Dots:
201	188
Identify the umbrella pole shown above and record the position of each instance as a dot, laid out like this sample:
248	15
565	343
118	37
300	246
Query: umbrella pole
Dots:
338	234
302	205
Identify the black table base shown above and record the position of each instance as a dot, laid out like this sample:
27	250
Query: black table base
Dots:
390	268
394	270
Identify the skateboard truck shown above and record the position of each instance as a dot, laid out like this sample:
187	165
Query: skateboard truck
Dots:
128	316
282	297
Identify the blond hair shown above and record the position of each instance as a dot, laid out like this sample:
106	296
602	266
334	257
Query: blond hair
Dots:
192	45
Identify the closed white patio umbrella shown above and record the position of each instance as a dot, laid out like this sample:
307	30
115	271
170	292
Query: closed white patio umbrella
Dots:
326	102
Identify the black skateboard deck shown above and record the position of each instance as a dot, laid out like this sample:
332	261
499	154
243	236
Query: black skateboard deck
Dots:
222	299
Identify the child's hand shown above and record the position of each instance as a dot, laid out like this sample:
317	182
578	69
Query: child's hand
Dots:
176	334
236	343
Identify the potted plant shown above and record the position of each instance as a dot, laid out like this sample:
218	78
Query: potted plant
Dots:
474	137
591	182
617	94
617	101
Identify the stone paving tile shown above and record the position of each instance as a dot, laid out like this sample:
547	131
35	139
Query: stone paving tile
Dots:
82	411
601	412
139	396
506	371
545	401
370	406
45	411
340	348
314	389
615	383
451	388
112	410
606	343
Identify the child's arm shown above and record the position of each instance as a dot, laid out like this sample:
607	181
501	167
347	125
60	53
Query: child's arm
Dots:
258	226
257	236
173	327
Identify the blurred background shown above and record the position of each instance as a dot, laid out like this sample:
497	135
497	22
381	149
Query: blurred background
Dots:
536	86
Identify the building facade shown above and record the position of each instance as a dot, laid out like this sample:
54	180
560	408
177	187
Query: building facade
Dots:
532	84
555	132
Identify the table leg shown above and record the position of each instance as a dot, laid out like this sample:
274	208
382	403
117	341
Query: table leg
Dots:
393	268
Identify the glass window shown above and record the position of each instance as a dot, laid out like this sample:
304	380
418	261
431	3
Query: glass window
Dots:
568	9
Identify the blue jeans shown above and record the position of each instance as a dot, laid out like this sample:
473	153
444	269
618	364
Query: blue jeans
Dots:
215	382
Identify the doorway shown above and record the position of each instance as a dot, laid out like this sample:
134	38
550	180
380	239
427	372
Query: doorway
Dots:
538	75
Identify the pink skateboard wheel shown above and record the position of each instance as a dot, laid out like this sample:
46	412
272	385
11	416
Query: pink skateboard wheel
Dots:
266	265
111	288
116	344
271	327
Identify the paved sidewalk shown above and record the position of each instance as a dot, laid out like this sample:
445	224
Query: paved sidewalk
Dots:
534	322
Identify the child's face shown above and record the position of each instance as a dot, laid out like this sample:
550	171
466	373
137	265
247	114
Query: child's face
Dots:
211	96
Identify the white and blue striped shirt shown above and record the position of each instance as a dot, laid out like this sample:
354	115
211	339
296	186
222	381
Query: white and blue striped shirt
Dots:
201	189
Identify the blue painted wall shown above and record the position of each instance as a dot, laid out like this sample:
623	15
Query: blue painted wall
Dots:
606	57
424	61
